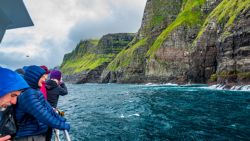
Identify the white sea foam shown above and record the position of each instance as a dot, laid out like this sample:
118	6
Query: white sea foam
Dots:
152	84
166	84
134	115
170	84
122	116
233	88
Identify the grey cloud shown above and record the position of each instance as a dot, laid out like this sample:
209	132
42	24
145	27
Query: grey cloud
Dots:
55	51
52	56
127	19
14	61
122	18
19	41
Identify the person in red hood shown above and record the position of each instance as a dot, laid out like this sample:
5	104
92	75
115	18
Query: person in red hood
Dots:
43	88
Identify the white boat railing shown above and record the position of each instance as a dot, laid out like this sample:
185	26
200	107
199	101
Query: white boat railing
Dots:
57	135
57	132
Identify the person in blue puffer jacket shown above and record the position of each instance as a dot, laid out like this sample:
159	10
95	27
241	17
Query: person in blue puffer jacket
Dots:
11	86
33	113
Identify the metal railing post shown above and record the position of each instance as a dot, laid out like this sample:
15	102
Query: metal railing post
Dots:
66	134
57	138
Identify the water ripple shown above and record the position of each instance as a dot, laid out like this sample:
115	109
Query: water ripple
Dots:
115	112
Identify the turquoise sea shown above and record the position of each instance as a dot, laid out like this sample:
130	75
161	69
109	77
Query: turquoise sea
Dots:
126	112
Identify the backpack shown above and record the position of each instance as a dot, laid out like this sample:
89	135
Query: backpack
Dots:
7	122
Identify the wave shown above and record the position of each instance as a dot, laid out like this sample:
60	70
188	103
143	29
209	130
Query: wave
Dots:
233	88
165	84
136	114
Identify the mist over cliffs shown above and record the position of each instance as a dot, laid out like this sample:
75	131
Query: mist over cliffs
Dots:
184	41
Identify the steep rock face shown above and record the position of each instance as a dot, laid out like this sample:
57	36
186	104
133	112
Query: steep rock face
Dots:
221	50
203	58
113	43
171	50
165	54
90	57
234	52
158	14
129	66
171	61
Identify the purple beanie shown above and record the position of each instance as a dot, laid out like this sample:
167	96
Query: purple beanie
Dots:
55	74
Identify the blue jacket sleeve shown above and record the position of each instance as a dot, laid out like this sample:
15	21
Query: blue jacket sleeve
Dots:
35	105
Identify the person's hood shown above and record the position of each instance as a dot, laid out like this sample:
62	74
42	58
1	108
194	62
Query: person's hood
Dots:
10	81
51	84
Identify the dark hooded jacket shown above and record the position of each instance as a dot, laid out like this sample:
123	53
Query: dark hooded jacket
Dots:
54	91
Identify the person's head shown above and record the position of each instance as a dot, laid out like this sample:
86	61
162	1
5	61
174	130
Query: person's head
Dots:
34	76
11	85
47	71
56	74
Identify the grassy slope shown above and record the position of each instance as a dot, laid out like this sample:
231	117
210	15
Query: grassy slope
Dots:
190	15
124	58
86	62
81	59
225	14
85	58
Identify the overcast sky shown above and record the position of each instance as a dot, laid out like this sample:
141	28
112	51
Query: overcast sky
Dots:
61	24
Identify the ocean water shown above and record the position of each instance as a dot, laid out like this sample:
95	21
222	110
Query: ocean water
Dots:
123	112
